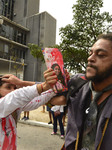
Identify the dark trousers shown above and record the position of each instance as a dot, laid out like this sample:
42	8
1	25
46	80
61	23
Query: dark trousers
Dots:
59	118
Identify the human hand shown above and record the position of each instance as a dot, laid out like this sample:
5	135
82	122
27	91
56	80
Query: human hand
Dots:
67	75
10	78
50	79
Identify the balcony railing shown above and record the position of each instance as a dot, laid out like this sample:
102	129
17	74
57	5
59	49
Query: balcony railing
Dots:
6	56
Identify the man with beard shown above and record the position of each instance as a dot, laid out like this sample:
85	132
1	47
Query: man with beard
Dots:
90	107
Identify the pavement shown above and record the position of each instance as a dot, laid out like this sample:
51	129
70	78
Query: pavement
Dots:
37	123
38	118
31	137
35	133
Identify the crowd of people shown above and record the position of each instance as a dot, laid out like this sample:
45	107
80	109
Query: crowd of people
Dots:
88	101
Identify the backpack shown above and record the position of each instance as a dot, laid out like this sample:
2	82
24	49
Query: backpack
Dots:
74	85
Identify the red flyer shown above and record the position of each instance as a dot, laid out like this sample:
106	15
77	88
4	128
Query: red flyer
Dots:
53	59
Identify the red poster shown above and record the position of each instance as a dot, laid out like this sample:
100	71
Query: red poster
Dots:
53	59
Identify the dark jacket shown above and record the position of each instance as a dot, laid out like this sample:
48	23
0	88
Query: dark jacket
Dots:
75	116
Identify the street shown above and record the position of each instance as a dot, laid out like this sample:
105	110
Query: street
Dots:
37	138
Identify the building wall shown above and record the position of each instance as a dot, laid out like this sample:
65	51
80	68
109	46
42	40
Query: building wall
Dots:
19	11
4	66
8	67
49	30
32	7
12	51
24	9
43	33
33	23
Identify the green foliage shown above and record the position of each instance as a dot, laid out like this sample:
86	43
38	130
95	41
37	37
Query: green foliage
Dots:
36	51
13	57
78	38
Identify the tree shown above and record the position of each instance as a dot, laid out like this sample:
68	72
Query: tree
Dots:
14	59
78	38
36	50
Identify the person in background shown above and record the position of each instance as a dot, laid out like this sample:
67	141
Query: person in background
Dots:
57	112
26	115
43	109
50	116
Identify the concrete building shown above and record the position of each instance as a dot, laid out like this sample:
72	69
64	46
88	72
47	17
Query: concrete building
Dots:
23	24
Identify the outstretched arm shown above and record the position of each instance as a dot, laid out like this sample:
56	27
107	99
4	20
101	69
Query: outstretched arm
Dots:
22	96
10	78
49	75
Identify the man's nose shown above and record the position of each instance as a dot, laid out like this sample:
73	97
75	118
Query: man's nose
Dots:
92	58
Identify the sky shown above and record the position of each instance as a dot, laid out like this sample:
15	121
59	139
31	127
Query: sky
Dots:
61	10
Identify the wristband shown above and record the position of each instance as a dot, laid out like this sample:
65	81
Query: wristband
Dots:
42	87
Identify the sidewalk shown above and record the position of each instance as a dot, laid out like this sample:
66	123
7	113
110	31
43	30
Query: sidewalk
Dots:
36	123
38	118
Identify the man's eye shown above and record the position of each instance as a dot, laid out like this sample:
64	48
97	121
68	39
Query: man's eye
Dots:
8	87
101	55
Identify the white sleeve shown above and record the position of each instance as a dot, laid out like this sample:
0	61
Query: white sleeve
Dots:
17	99
39	100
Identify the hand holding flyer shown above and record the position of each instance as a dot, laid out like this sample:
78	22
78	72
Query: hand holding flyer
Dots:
53	59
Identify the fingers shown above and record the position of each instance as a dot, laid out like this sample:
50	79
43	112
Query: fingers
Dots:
50	77
7	75
11	79
49	72
67	75
5	79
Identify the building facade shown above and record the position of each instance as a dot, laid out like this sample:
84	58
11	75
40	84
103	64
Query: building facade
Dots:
23	24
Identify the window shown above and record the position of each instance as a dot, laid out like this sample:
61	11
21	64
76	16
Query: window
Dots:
6	48
13	33
1	46
7	8
6	52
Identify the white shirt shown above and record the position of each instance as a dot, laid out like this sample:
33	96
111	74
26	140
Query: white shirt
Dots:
23	99
57	107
